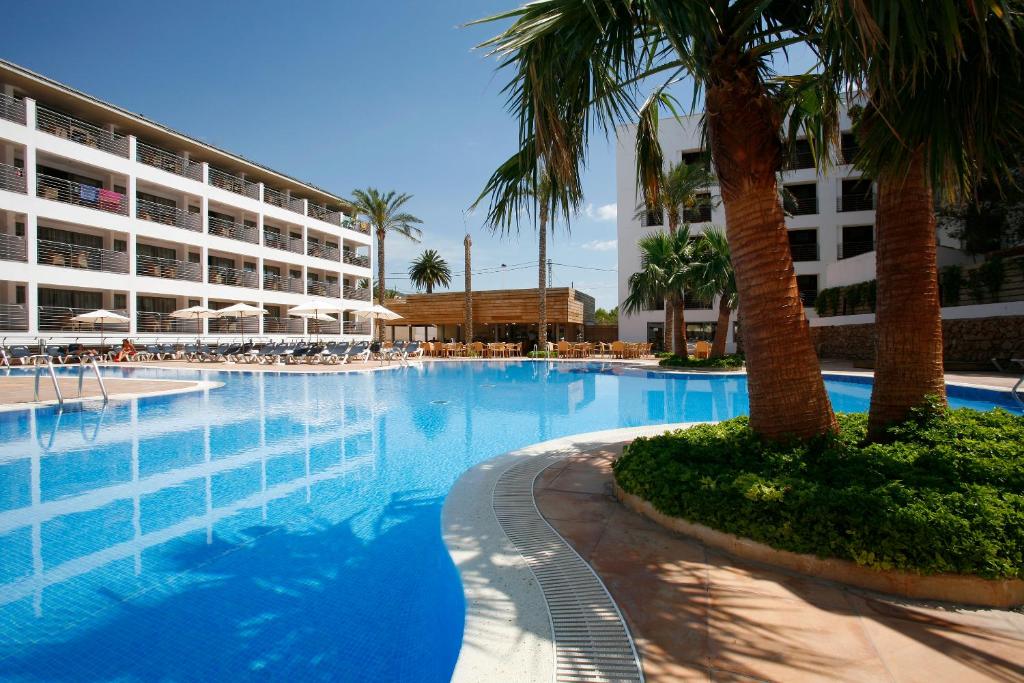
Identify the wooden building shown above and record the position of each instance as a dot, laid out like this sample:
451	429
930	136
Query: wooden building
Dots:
498	315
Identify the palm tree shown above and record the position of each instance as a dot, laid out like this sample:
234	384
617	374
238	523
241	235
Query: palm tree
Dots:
383	211
712	275
428	270
962	54
664	274
468	245
576	68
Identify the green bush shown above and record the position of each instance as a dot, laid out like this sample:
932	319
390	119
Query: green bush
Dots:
993	275
726	362
951	279
845	300
946	495
542	354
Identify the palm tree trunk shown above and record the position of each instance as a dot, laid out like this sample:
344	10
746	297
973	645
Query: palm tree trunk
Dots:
721	329
379	332
678	329
908	319
787	393
430	287
670	310
542	281
468	329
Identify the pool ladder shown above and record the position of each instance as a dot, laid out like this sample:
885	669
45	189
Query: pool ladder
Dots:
40	360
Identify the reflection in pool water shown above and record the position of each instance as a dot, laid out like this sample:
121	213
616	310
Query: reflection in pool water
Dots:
284	525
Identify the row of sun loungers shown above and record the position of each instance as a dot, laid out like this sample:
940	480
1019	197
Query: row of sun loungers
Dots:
331	353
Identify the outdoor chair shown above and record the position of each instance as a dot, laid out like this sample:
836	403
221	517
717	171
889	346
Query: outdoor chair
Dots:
702	349
17	354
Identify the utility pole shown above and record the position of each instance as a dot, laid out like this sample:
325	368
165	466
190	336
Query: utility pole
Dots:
468	243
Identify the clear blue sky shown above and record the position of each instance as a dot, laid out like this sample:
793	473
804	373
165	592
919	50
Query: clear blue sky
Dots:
342	94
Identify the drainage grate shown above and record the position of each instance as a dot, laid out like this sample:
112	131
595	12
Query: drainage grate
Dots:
592	642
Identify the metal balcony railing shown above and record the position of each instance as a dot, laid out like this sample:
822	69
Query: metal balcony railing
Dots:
808	296
289	325
77	256
804	252
82	132
13	248
151	322
280	283
856	202
60	190
167	268
324	326
696	303
358	226
354	259
323	251
321	288
168	161
233	183
168	215
234	230
234	325
12	109
800	159
324	213
279	241
851	249
699	214
357	327
12	179
14	317
221	275
281	199
357	293
805	206
59	319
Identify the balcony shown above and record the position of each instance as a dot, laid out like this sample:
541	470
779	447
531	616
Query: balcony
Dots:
12	179
82	132
691	302
281	199
150	322
60	190
76	256
167	268
851	249
279	283
235	326
221	275
12	109
13	248
59	319
324	327
357	293
856	202
804	252
358	226
233	183
324	213
167	215
234	230
357	327
284	242
323	251
802	157
354	259
168	161
697	214
275	325
320	288
14	317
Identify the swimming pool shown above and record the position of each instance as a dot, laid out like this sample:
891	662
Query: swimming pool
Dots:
284	525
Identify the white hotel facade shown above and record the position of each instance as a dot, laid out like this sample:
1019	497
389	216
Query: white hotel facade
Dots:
831	232
102	208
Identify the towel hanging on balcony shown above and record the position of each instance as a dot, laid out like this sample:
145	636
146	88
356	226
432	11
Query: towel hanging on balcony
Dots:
110	200
88	193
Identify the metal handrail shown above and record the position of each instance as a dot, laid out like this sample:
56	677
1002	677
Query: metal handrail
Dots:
282	241
35	360
232	183
167	215
12	108
860	201
805	206
13	179
14	317
233	230
804	252
82	132
850	249
13	248
167	161
222	275
167	268
60	190
77	256
99	378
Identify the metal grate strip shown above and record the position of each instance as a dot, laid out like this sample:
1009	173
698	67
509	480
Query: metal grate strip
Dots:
592	642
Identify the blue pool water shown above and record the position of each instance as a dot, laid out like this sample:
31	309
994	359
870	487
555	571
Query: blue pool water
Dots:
283	527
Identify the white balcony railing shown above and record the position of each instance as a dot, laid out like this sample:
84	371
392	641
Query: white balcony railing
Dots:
321	288
279	241
168	161
280	283
12	109
167	268
275	325
233	183
281	199
60	190
324	213
233	230
77	256
14	317
59	319
323	251
235	326
13	248
82	132
12	179
221	275
151	322
167	215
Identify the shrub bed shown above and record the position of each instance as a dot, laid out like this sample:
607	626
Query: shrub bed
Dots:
730	361
945	496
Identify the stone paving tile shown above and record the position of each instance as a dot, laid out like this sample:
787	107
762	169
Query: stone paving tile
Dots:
21	389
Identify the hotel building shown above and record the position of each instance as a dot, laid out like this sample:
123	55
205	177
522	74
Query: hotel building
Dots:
103	208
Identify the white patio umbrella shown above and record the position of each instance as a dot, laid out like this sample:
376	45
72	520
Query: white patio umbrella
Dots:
241	310
196	313
376	312
100	317
312	309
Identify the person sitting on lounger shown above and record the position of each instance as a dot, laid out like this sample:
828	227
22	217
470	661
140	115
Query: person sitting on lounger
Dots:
127	351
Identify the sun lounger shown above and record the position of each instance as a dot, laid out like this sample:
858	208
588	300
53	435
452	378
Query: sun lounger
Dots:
16	354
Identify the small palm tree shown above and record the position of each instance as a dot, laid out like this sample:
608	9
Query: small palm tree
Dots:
383	211
429	270
712	275
664	275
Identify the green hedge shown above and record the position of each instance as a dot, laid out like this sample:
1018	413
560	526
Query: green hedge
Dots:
946	496
724	362
847	300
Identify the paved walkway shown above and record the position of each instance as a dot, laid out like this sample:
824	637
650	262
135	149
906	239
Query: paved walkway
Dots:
21	389
698	614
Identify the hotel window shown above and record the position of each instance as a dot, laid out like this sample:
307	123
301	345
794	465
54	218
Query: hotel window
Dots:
802	199
122	245
19	229
120	301
808	286
803	244
651	217
699	157
19	294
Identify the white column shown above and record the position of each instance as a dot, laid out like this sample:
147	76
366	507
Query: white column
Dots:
131	181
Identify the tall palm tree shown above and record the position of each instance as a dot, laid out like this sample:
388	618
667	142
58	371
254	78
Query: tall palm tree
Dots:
430	270
576	66
383	211
712	275
664	274
943	97
468	245
681	189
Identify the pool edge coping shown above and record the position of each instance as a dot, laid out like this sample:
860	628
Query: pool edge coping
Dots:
196	386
